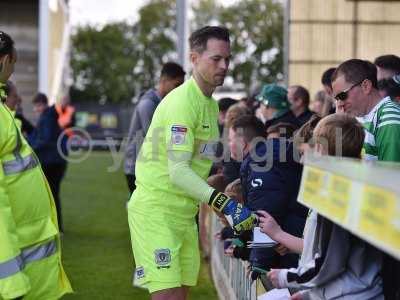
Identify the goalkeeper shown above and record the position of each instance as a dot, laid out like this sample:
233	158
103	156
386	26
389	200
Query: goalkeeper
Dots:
171	169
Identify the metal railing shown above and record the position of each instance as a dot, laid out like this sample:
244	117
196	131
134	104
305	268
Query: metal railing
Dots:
229	274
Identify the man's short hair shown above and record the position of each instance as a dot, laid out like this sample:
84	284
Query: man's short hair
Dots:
284	130
305	133
302	93
172	70
225	103
198	39
6	44
340	128
8	87
357	70
218	182
40	98
389	62
233	113
326	78
391	86
250	126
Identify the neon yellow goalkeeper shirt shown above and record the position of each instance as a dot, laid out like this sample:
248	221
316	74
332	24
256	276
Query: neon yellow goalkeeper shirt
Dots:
185	120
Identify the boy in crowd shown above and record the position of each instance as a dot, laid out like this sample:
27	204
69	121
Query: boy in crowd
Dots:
334	263
270	181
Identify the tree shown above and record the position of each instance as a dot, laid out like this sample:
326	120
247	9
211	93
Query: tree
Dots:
256	28
155	38
102	63
115	63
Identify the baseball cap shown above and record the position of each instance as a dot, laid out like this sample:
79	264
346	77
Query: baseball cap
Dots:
274	96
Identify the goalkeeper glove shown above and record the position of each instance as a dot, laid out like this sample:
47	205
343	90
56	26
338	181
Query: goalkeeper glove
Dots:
239	217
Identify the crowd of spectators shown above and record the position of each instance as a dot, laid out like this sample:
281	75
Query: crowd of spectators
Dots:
314	258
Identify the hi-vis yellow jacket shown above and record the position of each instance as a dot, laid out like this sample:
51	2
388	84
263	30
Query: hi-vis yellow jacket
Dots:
30	251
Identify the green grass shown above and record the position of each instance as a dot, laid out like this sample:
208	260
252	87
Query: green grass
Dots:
96	245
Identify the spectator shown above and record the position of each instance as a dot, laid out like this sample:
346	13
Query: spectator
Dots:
231	167
355	85
303	137
275	106
234	112
66	115
334	263
299	99
390	87
326	80
44	140
13	101
224	104
303	142
322	104
281	130
387	66
268	183
172	76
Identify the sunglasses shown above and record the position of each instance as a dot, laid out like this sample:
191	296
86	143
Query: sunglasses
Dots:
342	96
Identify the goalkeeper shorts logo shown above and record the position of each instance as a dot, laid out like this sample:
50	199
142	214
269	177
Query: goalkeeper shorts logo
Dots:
163	258
139	272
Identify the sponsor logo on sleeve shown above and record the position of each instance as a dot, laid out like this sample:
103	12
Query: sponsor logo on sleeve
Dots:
178	134
208	150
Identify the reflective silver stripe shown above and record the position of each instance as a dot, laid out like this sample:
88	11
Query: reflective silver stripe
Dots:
20	165
11	267
37	253
27	255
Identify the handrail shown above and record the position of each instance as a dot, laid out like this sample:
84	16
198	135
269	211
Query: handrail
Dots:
229	274
362	197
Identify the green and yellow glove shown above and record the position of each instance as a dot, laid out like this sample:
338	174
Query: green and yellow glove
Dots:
239	217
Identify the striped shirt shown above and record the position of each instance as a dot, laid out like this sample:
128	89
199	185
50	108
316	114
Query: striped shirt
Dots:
382	131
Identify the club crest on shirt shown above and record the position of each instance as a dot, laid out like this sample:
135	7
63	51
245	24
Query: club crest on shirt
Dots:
178	134
162	257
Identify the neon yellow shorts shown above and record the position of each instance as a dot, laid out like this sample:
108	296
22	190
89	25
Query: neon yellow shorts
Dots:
166	253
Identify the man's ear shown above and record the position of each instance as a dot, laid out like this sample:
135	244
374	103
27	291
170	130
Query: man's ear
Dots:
193	56
367	86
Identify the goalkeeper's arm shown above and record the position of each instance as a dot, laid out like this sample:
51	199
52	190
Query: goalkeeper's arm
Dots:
182	175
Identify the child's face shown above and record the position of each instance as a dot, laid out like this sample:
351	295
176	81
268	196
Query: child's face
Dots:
320	149
303	148
237	145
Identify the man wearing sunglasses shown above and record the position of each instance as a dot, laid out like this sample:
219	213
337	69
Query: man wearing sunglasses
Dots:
355	87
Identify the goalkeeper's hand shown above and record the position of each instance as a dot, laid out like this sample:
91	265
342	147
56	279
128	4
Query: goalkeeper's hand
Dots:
239	217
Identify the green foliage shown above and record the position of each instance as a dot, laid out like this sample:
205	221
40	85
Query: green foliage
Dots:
115	63
256	28
97	251
102	63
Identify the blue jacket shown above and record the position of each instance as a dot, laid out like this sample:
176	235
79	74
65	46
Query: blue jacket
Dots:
272	184
44	139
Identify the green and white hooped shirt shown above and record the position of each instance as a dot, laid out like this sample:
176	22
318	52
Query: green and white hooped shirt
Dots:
382	132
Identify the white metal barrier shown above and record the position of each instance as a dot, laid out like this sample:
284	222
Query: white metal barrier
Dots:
229	274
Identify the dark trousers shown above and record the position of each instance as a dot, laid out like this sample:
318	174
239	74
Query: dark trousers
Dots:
131	182
54	174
